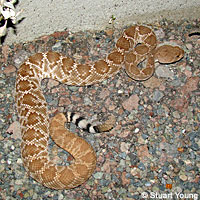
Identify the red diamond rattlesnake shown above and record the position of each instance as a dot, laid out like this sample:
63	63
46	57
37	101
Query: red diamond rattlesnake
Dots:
136	44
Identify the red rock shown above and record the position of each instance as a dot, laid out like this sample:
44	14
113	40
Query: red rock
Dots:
52	83
131	103
143	152
124	133
64	101
109	104
191	85
112	107
152	83
75	98
125	181
180	104
5	52
9	69
109	32
104	93
59	34
188	73
106	167
14	128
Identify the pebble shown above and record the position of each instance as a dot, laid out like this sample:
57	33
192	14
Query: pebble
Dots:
73	88
176	83
136	130
189	46
178	189
9	162
60	197
147	184
176	114
135	171
2	168
98	175
183	177
157	95
57	46
141	140
19	161
9	69
18	182
164	72
131	103
141	166
120	91
87	101
125	147
52	83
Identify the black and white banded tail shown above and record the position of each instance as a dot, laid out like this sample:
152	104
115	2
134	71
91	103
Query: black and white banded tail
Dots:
82	123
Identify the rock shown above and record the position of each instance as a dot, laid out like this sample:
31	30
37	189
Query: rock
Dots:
191	85
143	152
183	177
73	88
131	103
189	46
141	166
141	140
136	130
135	172
106	166
19	161
18	182
124	133
9	69
20	57
109	32
176	83
157	95
164	72
125	147
147	184
104	93
15	130
52	83
5	52
63	101
57	46
153	82
188	73
98	175
1	137
180	104
60	197
2	168
176	115
125	181
87	101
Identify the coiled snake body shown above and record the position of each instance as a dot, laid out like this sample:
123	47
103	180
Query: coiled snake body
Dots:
136	44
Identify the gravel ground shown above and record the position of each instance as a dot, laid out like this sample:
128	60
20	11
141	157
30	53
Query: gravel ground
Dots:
153	148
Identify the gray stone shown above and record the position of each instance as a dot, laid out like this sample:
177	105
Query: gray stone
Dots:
157	95
164	72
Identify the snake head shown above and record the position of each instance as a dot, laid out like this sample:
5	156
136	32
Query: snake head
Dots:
169	54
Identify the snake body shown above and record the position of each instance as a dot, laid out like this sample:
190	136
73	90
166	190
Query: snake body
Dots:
136	44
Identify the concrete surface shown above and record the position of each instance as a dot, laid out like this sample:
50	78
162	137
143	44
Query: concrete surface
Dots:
47	16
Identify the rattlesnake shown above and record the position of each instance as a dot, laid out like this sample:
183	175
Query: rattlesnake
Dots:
136	44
